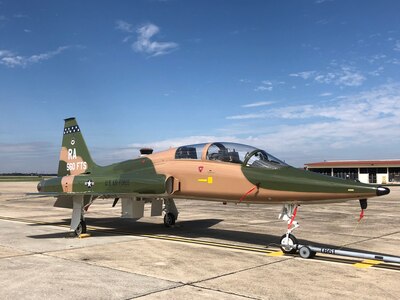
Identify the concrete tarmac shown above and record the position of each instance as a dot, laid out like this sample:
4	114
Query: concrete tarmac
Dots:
215	251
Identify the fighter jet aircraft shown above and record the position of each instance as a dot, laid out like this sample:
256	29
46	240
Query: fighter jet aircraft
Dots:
224	172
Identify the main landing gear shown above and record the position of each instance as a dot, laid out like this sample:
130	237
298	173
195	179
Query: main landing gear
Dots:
78	223
81	229
171	212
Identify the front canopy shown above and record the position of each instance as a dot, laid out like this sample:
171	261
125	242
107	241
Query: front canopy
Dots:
230	152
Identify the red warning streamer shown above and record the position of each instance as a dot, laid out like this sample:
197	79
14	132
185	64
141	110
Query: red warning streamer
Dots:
361	215
247	193
293	217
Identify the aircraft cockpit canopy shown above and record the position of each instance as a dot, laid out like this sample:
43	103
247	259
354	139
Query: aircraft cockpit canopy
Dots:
229	152
232	153
190	151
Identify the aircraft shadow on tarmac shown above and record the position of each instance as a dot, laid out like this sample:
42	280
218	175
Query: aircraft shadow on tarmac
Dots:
185	229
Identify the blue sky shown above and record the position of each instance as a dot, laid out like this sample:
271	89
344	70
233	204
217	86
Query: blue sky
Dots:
305	80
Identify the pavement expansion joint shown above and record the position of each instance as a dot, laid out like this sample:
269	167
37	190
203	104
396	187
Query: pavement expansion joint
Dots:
91	263
238	271
225	292
158	291
367	239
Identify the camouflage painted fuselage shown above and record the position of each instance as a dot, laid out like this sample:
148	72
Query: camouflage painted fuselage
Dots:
196	175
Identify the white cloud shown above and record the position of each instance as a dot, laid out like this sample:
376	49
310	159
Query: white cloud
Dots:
129	152
28	157
364	122
12	60
263	88
325	78
345	76
127	38
349	77
5	53
372	59
376	72
397	46
358	126
372	105
20	16
305	75
248	116
23	148
123	26
257	104
394	61
266	85
144	44
325	94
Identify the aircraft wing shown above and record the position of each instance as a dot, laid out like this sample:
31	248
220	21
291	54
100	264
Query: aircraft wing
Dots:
65	200
97	195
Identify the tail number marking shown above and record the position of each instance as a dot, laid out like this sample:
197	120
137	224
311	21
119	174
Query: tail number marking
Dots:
75	166
71	153
80	165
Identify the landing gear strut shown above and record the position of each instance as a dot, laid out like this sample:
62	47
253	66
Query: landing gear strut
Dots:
78	224
171	212
288	241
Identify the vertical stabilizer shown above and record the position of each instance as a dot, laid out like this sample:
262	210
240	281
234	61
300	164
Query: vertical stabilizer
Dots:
75	158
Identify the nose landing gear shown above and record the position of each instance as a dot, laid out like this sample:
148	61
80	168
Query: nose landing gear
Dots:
288	241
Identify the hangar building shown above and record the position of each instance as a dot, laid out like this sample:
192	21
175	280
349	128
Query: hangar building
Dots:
367	171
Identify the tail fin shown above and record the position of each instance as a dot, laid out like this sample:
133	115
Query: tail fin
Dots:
75	158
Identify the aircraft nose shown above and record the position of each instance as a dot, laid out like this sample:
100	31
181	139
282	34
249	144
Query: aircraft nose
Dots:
380	191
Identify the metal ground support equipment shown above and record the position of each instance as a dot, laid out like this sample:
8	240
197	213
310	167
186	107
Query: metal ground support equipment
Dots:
308	251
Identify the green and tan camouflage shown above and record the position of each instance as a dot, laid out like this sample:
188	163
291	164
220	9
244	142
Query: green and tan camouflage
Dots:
225	172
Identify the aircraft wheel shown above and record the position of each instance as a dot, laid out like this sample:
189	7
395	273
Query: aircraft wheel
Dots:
306	252
81	228
169	220
287	244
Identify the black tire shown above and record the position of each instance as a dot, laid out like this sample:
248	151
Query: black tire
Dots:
292	241
169	220
81	228
306	252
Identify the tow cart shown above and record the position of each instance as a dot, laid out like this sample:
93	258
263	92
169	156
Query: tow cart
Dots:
309	251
